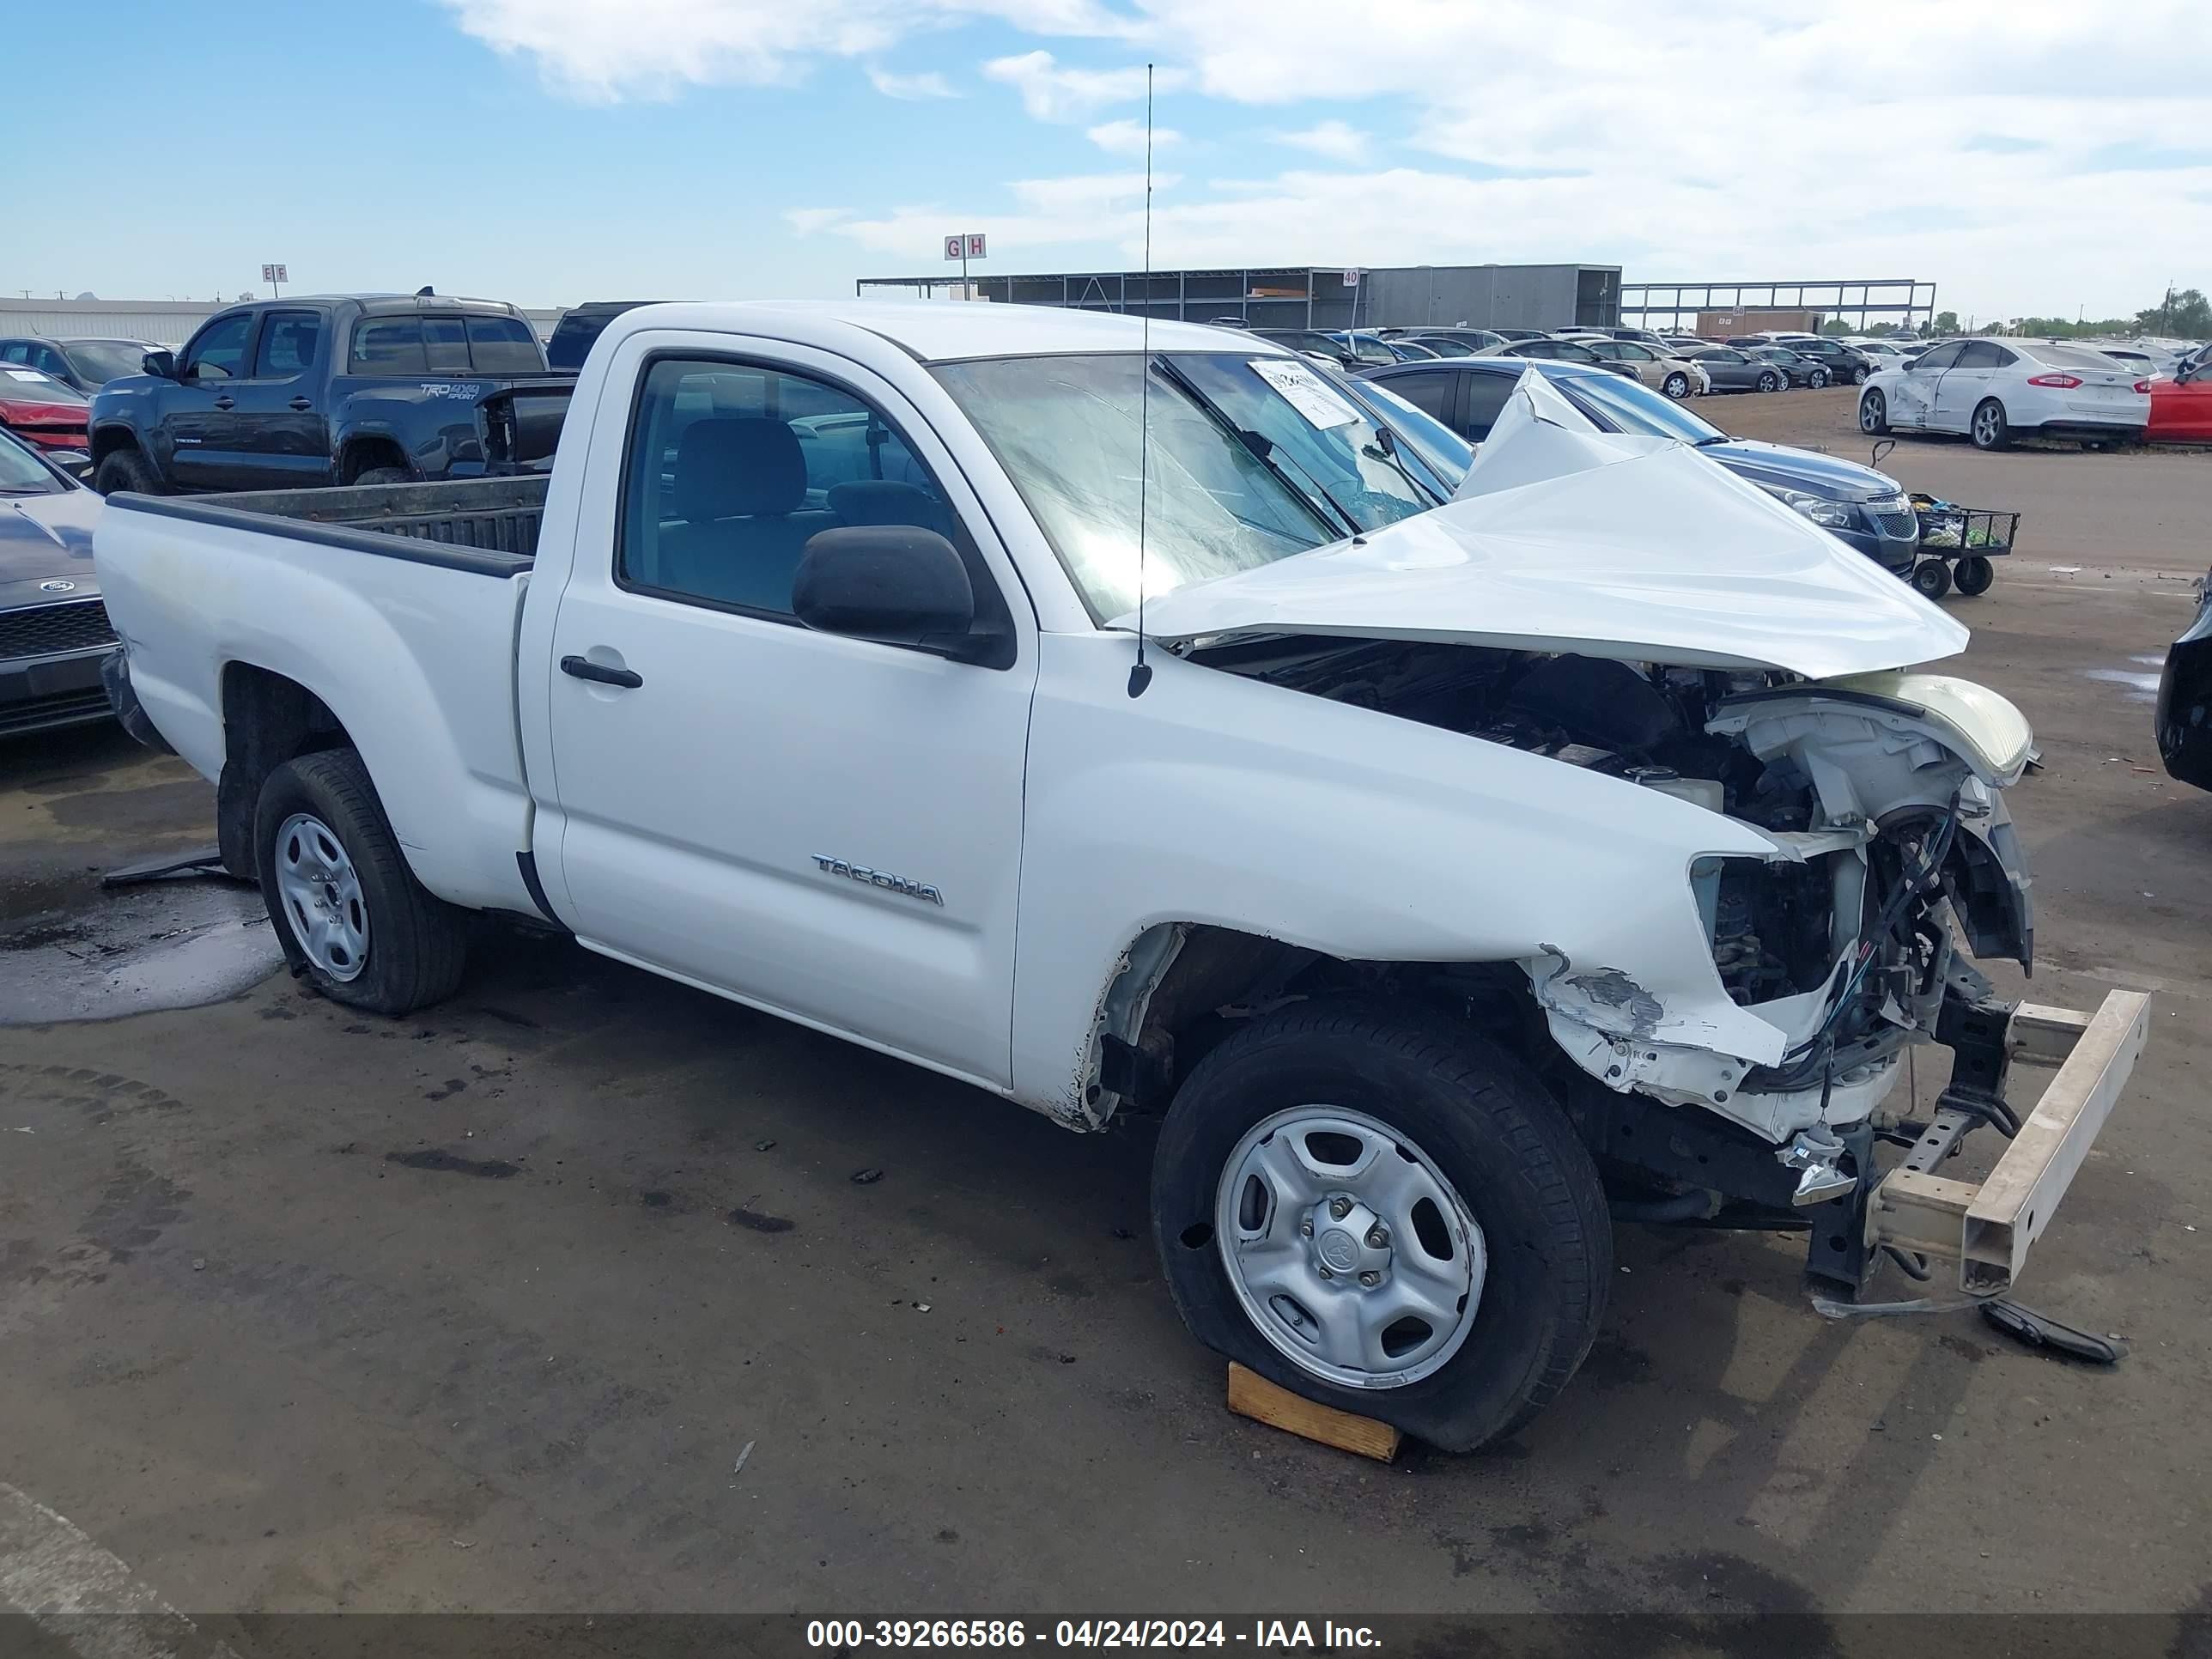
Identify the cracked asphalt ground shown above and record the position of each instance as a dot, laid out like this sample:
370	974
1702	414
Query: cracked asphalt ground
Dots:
303	1310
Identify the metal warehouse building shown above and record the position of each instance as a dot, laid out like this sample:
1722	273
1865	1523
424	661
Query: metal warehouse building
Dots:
1301	296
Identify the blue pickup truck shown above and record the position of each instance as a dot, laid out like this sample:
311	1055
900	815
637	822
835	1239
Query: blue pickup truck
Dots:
334	389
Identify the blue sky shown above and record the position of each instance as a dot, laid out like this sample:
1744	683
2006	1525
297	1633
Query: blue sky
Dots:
2019	155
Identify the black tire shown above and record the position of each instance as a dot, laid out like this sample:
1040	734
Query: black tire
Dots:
1487	1124
1988	428
1874	414
1770	382
417	943
1931	579
1676	385
1861	375
1973	575
385	475
127	470
1818	379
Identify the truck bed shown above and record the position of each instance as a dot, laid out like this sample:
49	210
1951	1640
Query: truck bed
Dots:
397	606
497	518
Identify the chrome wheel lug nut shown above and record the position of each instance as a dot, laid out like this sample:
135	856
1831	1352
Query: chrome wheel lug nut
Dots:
1305	1228
1325	1273
1340	1207
1378	1238
1370	1278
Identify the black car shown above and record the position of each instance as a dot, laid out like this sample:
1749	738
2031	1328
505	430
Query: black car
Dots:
1315	342
1865	508
86	364
388	388
579	327
2184	718
54	628
1846	364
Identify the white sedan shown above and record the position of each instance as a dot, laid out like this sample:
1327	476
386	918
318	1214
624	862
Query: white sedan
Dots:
1995	390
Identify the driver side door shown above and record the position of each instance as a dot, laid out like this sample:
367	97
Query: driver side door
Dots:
199	430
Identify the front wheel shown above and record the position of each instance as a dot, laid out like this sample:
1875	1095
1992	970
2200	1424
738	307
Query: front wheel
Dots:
385	475
1676	386
1817	379
1770	382
352	919
1381	1212
127	470
1989	428
1974	575
1931	579
1859	376
1874	414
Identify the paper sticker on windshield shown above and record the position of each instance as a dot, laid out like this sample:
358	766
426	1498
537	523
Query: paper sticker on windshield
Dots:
1305	391
25	375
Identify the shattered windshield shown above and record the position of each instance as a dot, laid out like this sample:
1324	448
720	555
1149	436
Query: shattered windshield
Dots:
1251	459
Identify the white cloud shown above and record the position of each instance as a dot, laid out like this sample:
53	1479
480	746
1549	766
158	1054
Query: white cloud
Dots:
928	84
807	221
603	53
1126	138
1584	136
1050	92
1337	140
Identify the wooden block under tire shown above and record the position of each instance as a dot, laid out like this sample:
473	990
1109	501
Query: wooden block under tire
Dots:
1252	1395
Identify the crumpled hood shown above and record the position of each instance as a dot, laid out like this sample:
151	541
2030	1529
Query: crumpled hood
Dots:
1566	538
47	537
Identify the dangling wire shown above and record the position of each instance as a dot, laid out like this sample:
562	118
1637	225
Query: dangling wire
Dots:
1141	675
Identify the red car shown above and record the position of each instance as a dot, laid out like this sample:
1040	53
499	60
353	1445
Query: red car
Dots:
46	413
2181	407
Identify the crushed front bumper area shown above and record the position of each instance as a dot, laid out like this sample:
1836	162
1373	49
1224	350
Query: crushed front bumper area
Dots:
1988	1226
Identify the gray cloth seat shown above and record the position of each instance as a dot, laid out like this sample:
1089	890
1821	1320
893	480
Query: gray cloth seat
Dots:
740	489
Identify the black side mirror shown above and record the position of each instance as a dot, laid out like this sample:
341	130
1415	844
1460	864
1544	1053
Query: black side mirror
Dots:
162	365
897	584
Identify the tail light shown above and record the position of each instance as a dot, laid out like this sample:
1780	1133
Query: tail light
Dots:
2142	387
2065	382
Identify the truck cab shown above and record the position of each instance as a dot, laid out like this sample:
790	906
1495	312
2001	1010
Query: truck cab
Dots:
291	394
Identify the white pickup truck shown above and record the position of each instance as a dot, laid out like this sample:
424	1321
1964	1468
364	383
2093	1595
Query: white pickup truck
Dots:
1449	875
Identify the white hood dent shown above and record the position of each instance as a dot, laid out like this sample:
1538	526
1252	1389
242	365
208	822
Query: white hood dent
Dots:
1566	538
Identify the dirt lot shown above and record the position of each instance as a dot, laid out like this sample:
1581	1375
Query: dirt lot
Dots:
303	1310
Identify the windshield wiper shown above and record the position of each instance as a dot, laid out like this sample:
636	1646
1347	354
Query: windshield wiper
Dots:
1262	449
1387	444
1718	438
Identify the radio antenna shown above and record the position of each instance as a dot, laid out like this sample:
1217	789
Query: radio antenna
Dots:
1140	674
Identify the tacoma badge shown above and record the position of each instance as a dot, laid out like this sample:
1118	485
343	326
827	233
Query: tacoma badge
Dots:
888	883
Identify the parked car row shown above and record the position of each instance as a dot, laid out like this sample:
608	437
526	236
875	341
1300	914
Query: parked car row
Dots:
1993	391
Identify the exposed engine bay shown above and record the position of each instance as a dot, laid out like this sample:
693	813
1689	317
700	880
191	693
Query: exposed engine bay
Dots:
1881	794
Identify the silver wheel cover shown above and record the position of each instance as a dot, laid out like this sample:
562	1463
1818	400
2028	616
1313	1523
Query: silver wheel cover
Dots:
1347	1248
321	896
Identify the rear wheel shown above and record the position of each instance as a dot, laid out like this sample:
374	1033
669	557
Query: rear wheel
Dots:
1859	376
1676	385
1770	382
1817	378
1988	427
385	475
1874	414
351	917
127	470
1376	1209
1973	575
1931	579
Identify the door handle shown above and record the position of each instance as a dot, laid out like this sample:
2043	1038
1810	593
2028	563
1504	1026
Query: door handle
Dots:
303	405
223	403
584	668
